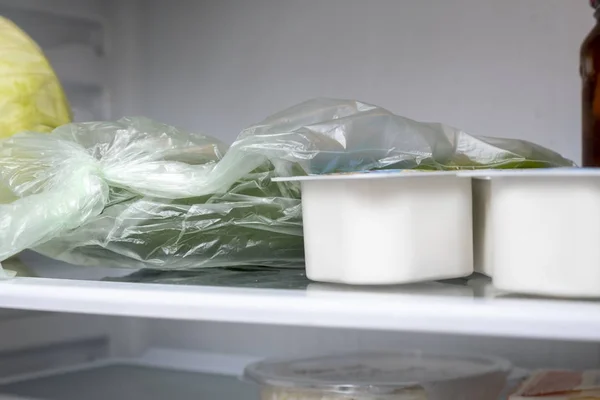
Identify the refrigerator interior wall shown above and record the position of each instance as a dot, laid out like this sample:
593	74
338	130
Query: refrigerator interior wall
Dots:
496	68
148	377
219	66
36	341
40	341
278	341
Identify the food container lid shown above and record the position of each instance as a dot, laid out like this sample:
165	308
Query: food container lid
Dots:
379	174
371	373
532	173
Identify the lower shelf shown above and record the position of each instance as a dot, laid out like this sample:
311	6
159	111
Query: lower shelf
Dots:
146	378
159	374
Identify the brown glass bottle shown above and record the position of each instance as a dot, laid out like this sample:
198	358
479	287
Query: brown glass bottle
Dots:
590	74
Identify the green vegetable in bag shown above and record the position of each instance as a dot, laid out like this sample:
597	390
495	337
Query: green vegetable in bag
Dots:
136	193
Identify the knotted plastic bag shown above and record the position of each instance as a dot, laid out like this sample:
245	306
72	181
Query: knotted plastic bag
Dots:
136	193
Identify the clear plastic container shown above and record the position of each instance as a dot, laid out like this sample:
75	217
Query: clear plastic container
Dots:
381	376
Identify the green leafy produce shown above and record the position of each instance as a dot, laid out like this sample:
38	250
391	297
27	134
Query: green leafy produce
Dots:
31	96
137	193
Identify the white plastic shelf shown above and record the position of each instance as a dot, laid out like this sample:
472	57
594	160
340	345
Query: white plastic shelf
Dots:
286	297
427	308
159	374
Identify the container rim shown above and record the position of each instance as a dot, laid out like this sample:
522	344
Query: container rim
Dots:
565	172
381	174
269	373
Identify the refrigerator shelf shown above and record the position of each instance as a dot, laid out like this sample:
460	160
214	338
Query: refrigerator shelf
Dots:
158	374
455	307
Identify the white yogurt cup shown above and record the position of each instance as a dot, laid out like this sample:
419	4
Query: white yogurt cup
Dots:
538	230
386	227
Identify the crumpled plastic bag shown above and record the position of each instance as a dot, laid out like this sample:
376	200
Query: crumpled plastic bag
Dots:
136	193
31	96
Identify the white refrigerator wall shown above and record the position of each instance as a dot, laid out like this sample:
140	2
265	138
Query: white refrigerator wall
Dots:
504	68
495	67
285	341
92	9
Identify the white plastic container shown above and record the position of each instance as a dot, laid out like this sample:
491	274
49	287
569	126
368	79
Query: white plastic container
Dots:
538	230
386	227
381	376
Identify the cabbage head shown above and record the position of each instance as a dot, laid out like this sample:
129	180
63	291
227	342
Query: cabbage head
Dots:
31	96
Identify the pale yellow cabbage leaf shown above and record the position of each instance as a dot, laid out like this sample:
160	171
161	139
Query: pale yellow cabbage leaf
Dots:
31	96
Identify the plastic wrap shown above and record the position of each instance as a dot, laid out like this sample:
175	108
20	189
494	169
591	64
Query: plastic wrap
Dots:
136	193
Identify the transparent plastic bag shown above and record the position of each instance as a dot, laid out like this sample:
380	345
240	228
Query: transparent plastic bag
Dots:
136	193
